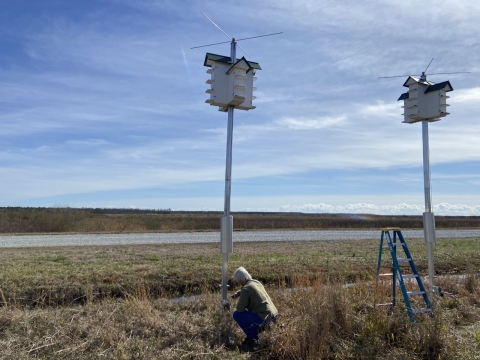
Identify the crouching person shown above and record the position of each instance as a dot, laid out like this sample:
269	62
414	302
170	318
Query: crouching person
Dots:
255	309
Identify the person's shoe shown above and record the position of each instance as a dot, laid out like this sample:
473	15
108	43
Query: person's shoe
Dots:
249	344
263	328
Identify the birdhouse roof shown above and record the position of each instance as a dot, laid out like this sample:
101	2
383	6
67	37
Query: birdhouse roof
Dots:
211	58
431	87
242	63
443	85
413	79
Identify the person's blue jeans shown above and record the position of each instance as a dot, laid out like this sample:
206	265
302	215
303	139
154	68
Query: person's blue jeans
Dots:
248	322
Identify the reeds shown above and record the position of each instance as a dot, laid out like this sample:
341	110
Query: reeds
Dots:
318	320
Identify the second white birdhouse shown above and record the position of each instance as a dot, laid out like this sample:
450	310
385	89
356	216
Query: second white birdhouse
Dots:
231	84
425	100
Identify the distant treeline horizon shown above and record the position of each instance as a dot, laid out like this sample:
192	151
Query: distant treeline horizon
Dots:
93	210
114	211
21	220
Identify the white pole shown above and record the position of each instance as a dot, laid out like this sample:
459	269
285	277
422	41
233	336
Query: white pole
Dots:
228	166
226	228
426	166
428	216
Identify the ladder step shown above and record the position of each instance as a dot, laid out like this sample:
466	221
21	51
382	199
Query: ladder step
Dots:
415	292
403	259
398	244
409	276
424	310
388	274
386	304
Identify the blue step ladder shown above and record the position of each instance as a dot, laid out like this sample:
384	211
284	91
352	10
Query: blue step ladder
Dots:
394	239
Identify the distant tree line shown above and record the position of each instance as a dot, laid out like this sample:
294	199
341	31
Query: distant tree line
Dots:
84	220
128	211
89	210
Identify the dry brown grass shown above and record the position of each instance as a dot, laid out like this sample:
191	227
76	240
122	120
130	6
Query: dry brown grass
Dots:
318	320
133	328
137	320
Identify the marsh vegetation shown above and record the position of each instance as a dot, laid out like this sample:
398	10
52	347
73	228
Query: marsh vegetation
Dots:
117	303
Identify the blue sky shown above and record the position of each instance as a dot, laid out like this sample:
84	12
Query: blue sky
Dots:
102	104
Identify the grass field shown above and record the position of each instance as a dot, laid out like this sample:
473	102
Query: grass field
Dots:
116	302
64	275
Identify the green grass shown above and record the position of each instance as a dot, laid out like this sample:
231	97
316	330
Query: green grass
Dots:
58	275
54	258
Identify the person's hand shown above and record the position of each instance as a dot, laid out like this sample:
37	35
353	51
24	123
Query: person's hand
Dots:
235	295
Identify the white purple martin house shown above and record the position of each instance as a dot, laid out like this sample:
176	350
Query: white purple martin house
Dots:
231	84
425	100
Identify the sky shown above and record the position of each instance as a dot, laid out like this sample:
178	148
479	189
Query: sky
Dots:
102	104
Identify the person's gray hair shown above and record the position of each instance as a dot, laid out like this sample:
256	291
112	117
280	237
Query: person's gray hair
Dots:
241	275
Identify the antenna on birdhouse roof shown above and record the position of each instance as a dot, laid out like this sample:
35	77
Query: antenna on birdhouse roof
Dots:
232	39
423	75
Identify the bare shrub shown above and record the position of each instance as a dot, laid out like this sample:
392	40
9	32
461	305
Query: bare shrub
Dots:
323	321
316	318
471	283
328	321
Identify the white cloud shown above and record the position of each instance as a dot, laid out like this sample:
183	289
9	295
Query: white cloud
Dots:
457	209
358	208
468	96
309	124
396	209
381	110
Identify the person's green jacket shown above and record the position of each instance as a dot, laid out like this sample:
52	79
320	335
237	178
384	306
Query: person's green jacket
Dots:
255	299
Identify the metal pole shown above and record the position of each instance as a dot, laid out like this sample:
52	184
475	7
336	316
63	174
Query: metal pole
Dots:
428	216
226	223
426	167
228	166
225	302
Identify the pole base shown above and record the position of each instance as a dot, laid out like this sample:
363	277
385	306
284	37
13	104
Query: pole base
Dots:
437	290
225	305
